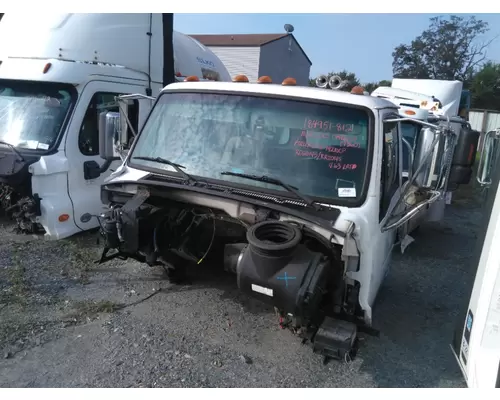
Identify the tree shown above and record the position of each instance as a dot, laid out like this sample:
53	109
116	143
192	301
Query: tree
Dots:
344	75
485	87
448	49
370	86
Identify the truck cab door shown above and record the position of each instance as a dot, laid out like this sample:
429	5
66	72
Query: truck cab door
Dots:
82	147
390	191
476	341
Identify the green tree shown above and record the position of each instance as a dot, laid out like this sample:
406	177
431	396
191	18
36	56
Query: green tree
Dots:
448	49
485	87
370	86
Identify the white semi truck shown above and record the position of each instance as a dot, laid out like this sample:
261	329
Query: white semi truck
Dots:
298	191
434	101
57	73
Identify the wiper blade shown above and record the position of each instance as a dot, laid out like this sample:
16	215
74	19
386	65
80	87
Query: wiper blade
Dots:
10	146
277	182
176	166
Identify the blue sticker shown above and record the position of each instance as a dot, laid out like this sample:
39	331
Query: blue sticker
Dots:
237	170
469	322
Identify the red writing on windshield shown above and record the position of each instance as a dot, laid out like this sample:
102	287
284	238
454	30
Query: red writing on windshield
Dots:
327	126
317	155
346	143
327	153
345	140
331	149
343	167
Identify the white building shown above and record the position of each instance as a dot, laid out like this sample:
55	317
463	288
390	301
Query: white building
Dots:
278	56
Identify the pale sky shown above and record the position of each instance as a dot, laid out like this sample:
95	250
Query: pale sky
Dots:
361	43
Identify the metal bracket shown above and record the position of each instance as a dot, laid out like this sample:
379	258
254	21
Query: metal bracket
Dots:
135	202
350	253
484	160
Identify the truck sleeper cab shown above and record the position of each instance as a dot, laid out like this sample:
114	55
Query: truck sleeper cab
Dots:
293	189
49	134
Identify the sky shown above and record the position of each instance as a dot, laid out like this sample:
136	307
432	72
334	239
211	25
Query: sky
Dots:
359	43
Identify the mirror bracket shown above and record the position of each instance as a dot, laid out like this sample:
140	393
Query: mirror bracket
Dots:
485	160
92	170
435	191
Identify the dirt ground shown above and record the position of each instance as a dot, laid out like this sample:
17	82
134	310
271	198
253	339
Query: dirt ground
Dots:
66	322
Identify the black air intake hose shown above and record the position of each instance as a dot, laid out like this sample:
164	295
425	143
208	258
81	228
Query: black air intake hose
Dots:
279	270
272	245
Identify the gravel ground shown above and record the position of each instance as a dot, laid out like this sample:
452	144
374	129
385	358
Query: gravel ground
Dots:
66	322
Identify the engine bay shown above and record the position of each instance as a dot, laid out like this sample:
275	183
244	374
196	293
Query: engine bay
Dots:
287	265
21	208
17	201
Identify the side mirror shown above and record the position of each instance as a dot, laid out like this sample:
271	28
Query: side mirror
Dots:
464	157
488	157
109	135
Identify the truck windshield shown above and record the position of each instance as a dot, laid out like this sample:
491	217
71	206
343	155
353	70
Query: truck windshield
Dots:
32	114
320	149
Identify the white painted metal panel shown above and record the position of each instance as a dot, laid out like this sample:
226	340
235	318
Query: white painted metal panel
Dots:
239	60
476	120
493	121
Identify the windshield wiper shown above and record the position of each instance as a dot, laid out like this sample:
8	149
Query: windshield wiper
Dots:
176	166
10	146
277	182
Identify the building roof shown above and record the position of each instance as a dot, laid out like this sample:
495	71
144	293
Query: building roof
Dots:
238	40
244	40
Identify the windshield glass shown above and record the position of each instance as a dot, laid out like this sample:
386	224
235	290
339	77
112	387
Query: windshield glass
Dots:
465	100
32	114
321	149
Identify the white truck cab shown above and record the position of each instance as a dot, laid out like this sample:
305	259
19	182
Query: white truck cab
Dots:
476	340
298	191
57	74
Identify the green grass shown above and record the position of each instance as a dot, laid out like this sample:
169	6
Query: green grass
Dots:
87	310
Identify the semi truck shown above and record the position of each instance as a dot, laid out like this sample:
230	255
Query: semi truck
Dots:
434	101
57	73
297	191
